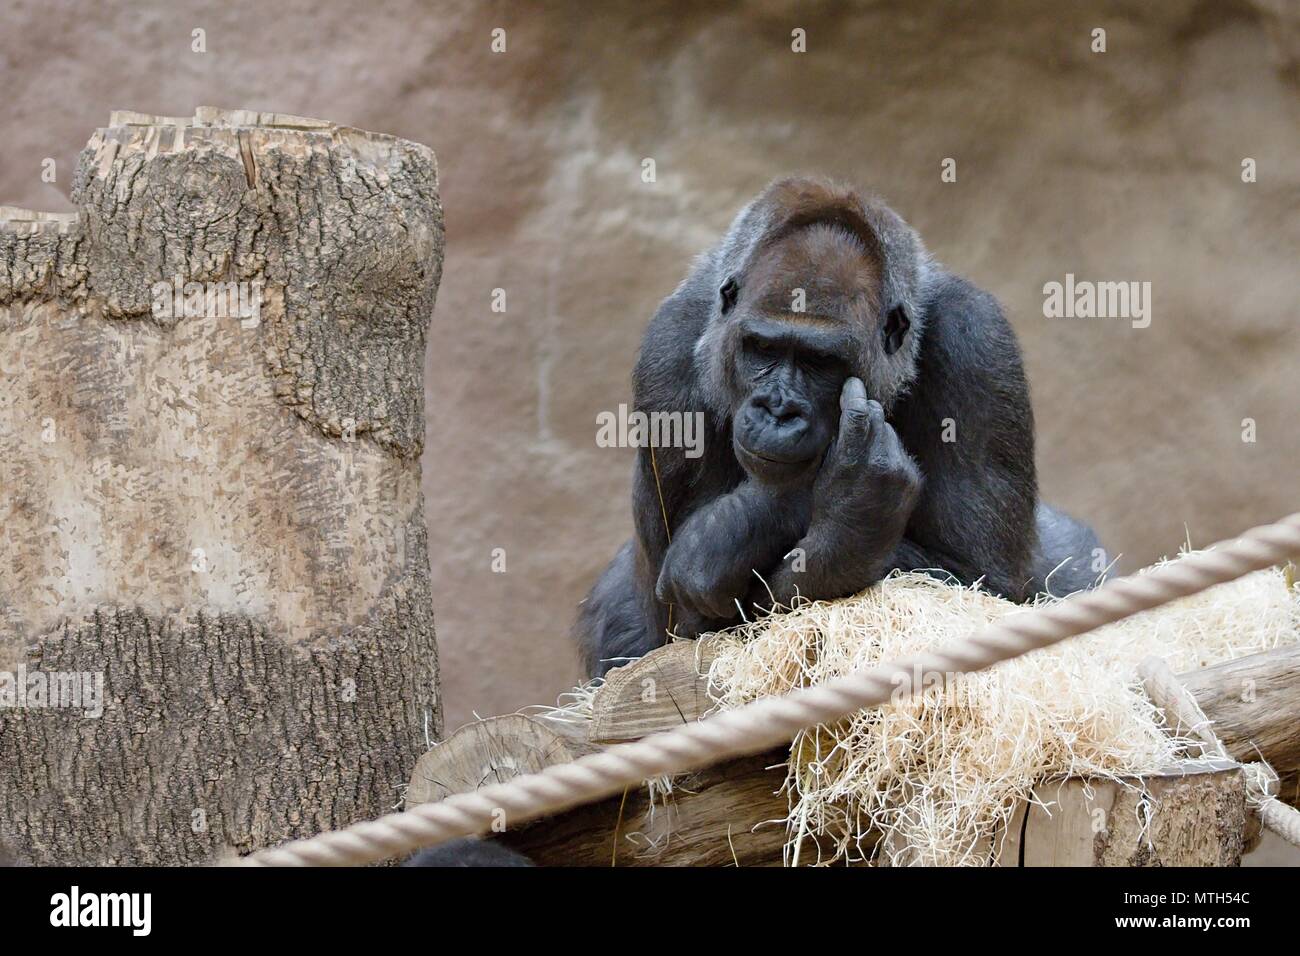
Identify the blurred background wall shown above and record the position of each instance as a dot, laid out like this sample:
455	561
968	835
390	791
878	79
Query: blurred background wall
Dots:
1123	165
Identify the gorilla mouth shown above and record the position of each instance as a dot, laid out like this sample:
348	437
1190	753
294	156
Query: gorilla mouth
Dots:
792	457
777	461
769	468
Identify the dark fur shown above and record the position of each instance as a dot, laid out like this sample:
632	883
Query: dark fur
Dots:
468	852
882	491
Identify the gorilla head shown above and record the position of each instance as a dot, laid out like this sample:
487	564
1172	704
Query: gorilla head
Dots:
817	285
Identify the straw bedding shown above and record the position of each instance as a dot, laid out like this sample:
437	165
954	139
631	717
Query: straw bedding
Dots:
940	774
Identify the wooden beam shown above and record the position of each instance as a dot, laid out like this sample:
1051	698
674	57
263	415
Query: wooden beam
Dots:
724	815
728	815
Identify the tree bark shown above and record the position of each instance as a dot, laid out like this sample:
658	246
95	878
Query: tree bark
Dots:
217	511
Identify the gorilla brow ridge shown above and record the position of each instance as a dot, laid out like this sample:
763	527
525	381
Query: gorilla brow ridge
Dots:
830	206
850	228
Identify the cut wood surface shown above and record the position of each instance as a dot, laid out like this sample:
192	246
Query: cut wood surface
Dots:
490	751
663	690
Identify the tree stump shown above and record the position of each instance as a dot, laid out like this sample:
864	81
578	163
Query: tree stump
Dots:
1191	814
211	419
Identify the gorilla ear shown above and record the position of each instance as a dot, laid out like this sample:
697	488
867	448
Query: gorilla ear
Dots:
729	291
896	326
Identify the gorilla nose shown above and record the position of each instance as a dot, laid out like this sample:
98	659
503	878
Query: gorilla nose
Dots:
782	410
775	430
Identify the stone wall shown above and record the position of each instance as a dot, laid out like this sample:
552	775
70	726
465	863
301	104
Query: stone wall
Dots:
1124	165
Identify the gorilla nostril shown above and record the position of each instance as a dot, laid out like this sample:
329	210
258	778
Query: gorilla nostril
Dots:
781	410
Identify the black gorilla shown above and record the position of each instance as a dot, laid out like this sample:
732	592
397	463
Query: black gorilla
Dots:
864	410
469	851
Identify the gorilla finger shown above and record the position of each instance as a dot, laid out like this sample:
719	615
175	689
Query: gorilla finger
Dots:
854	410
853	392
718	606
665	591
859	426
890	460
898	452
886	442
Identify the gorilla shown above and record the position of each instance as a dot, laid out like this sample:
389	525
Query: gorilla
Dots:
468	851
864	411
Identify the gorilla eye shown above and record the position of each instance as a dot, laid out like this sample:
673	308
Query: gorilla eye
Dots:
760	349
896	326
729	291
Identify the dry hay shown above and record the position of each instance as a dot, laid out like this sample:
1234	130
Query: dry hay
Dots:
940	773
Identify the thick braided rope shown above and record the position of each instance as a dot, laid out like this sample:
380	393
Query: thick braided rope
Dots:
1182	712
1281	819
766	723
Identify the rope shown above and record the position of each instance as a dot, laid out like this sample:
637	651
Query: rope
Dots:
764	724
1281	819
1182	711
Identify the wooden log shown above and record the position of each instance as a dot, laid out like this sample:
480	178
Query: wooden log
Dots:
730	814
720	816
1253	704
211	420
490	751
1288	788
1193	814
663	690
1185	717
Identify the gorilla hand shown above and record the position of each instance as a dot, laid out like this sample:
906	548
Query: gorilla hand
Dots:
862	499
868	484
711	562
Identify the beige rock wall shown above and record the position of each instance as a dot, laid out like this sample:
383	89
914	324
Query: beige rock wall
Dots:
1116	166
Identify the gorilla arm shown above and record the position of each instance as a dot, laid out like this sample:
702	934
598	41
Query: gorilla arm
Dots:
845	528
714	555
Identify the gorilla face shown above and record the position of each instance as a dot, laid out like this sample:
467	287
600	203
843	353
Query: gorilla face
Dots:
787	417
801	317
